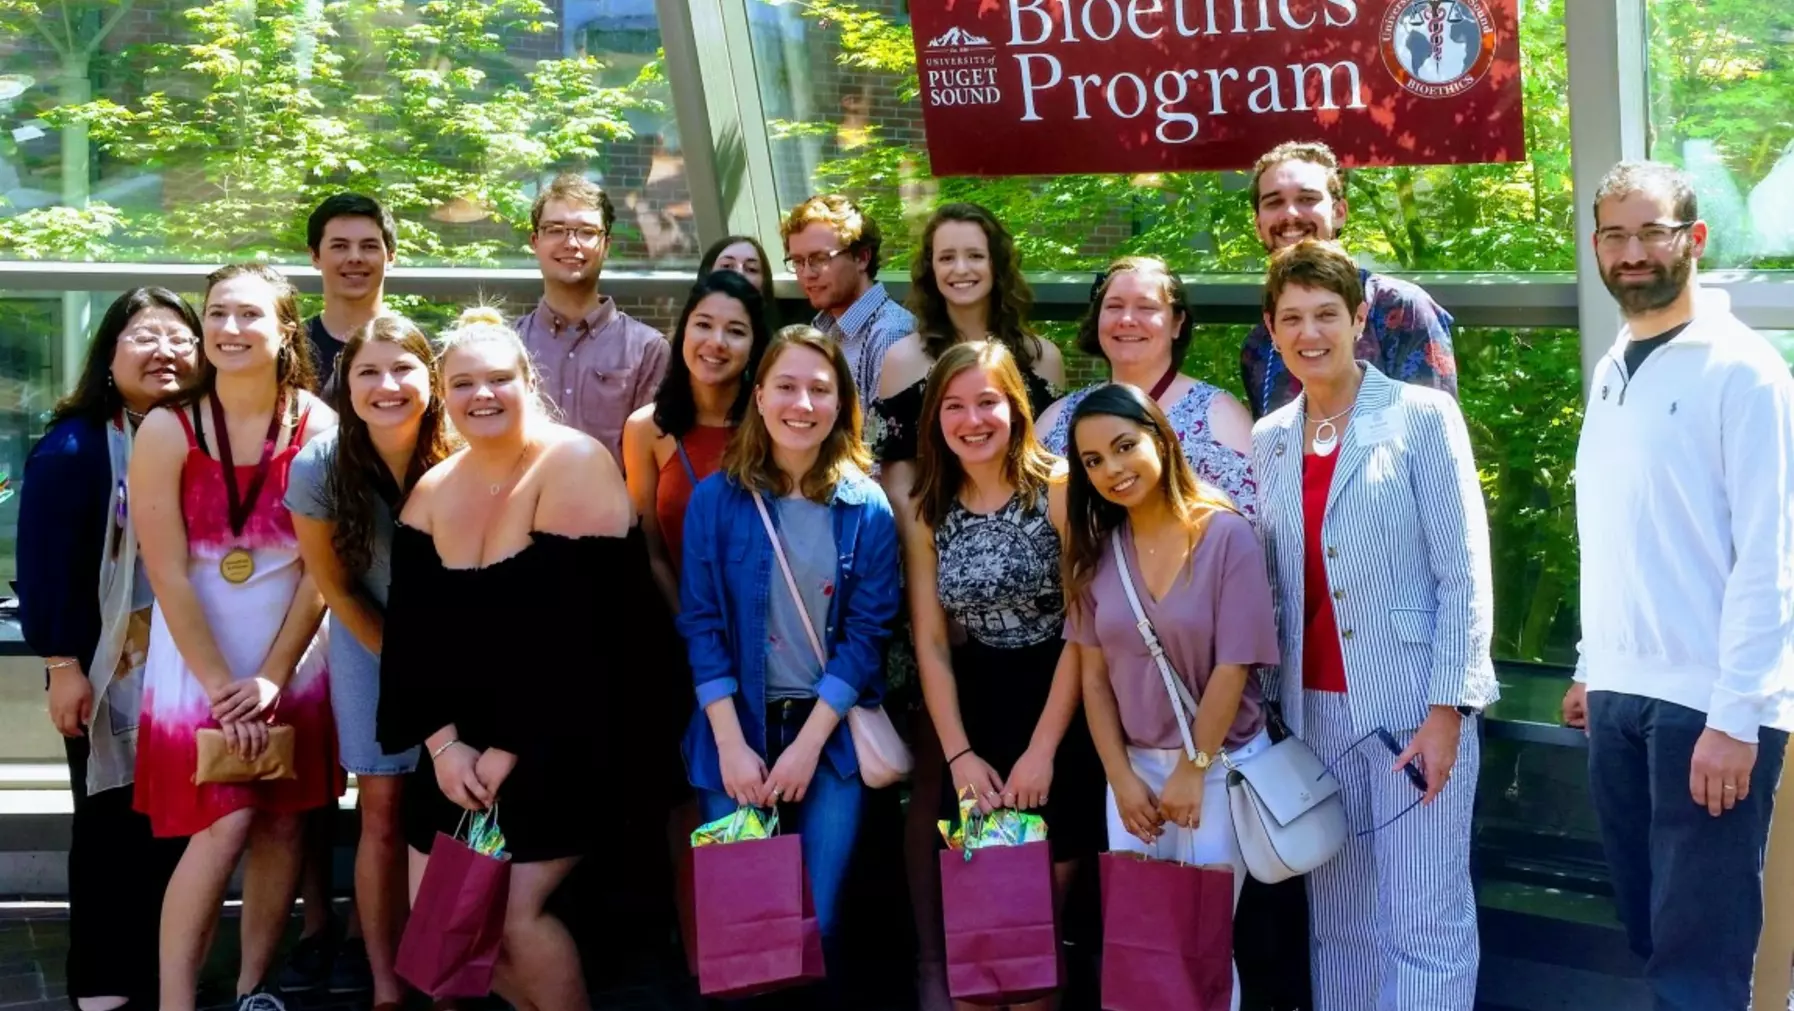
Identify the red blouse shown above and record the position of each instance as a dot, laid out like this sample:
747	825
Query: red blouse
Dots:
1323	666
704	446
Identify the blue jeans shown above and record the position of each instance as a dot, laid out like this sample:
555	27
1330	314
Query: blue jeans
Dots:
828	819
1688	886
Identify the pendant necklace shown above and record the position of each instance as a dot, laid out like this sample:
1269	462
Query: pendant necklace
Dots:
495	486
238	564
1326	434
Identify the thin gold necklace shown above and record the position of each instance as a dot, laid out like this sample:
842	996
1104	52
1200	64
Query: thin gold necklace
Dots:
496	486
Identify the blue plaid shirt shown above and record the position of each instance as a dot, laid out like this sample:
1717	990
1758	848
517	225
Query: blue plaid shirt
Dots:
865	332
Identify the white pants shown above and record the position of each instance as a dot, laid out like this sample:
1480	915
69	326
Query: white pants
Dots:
1212	842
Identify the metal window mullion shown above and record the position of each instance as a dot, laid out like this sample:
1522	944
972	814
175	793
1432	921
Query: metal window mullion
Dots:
1609	61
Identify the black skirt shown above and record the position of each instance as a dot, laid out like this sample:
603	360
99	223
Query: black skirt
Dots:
1002	693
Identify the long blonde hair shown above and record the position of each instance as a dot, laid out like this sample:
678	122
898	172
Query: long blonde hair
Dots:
748	460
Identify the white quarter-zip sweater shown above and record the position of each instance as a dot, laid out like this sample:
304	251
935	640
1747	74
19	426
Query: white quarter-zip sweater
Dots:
1685	511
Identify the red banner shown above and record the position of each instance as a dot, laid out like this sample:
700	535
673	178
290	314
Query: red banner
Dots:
1038	87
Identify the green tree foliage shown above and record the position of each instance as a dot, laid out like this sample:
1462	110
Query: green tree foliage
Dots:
1721	74
265	106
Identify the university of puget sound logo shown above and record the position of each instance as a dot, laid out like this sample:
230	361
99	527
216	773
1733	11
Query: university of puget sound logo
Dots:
1438	48
960	68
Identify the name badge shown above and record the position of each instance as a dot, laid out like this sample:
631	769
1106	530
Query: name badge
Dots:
1381	426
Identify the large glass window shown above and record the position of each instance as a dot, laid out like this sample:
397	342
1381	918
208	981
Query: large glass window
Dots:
207	131
1722	80
838	88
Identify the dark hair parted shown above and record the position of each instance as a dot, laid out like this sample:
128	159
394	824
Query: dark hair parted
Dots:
675	407
1171	290
1316	264
357	477
855	228
1089	517
1011	299
708	263
95	395
748	461
293	367
350	205
1027	466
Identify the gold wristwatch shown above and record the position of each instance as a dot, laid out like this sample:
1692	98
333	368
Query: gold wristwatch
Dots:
1202	760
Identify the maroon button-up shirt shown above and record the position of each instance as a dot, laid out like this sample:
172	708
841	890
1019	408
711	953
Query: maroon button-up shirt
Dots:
596	370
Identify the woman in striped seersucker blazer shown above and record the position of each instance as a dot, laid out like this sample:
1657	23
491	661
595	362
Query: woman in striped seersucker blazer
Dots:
1379	559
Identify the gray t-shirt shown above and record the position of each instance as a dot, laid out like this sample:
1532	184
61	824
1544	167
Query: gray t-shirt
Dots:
808	531
308	495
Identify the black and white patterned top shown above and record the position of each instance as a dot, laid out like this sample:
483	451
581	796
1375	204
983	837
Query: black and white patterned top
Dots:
999	573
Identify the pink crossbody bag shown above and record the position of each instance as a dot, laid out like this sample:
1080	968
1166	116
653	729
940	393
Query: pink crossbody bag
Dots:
884	759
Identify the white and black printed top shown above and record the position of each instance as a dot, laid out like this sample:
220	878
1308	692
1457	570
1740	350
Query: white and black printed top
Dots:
999	573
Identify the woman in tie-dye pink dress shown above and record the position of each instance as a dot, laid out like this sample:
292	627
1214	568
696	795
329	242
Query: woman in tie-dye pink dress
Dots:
233	637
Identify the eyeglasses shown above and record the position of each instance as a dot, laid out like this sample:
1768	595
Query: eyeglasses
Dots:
585	235
1412	771
1652	236
813	262
175	342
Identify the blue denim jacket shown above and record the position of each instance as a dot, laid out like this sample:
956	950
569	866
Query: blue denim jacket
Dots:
728	571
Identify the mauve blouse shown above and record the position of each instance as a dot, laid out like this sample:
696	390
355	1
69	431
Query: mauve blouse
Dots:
1218	611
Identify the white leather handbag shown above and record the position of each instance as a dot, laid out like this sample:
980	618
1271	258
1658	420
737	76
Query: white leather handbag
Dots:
1287	812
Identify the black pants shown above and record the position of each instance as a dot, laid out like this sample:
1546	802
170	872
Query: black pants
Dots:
118	873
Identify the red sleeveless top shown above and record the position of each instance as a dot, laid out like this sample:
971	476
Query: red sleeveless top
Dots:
698	456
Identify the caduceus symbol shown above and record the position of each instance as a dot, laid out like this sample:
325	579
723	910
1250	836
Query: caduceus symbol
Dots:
1434	15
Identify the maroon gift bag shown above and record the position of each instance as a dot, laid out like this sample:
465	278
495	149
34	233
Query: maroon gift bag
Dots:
1002	937
451	940
1167	935
756	922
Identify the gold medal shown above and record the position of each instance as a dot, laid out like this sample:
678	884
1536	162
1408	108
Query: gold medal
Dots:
237	566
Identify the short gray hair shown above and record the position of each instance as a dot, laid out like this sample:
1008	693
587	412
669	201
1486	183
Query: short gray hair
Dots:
1654	177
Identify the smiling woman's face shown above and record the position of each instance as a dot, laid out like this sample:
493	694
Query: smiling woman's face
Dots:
389	387
488	390
1121	458
242	325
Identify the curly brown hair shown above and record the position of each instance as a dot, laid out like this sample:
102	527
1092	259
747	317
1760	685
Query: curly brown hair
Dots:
1011	299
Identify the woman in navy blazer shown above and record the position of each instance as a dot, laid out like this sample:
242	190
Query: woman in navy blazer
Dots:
771	726
1378	543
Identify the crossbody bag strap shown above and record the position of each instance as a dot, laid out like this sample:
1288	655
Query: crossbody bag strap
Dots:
778	551
1182	703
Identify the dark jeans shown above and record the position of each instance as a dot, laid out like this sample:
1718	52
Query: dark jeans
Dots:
118	873
1688	886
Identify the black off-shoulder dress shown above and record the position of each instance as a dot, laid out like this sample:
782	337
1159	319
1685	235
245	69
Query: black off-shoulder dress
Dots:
558	654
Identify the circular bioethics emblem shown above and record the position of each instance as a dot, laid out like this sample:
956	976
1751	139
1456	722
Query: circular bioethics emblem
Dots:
1438	48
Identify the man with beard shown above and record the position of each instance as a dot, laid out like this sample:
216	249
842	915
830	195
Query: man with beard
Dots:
352	244
1298	193
597	364
832	247
1685	685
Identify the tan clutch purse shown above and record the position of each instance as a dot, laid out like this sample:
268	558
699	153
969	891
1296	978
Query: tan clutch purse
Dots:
218	764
